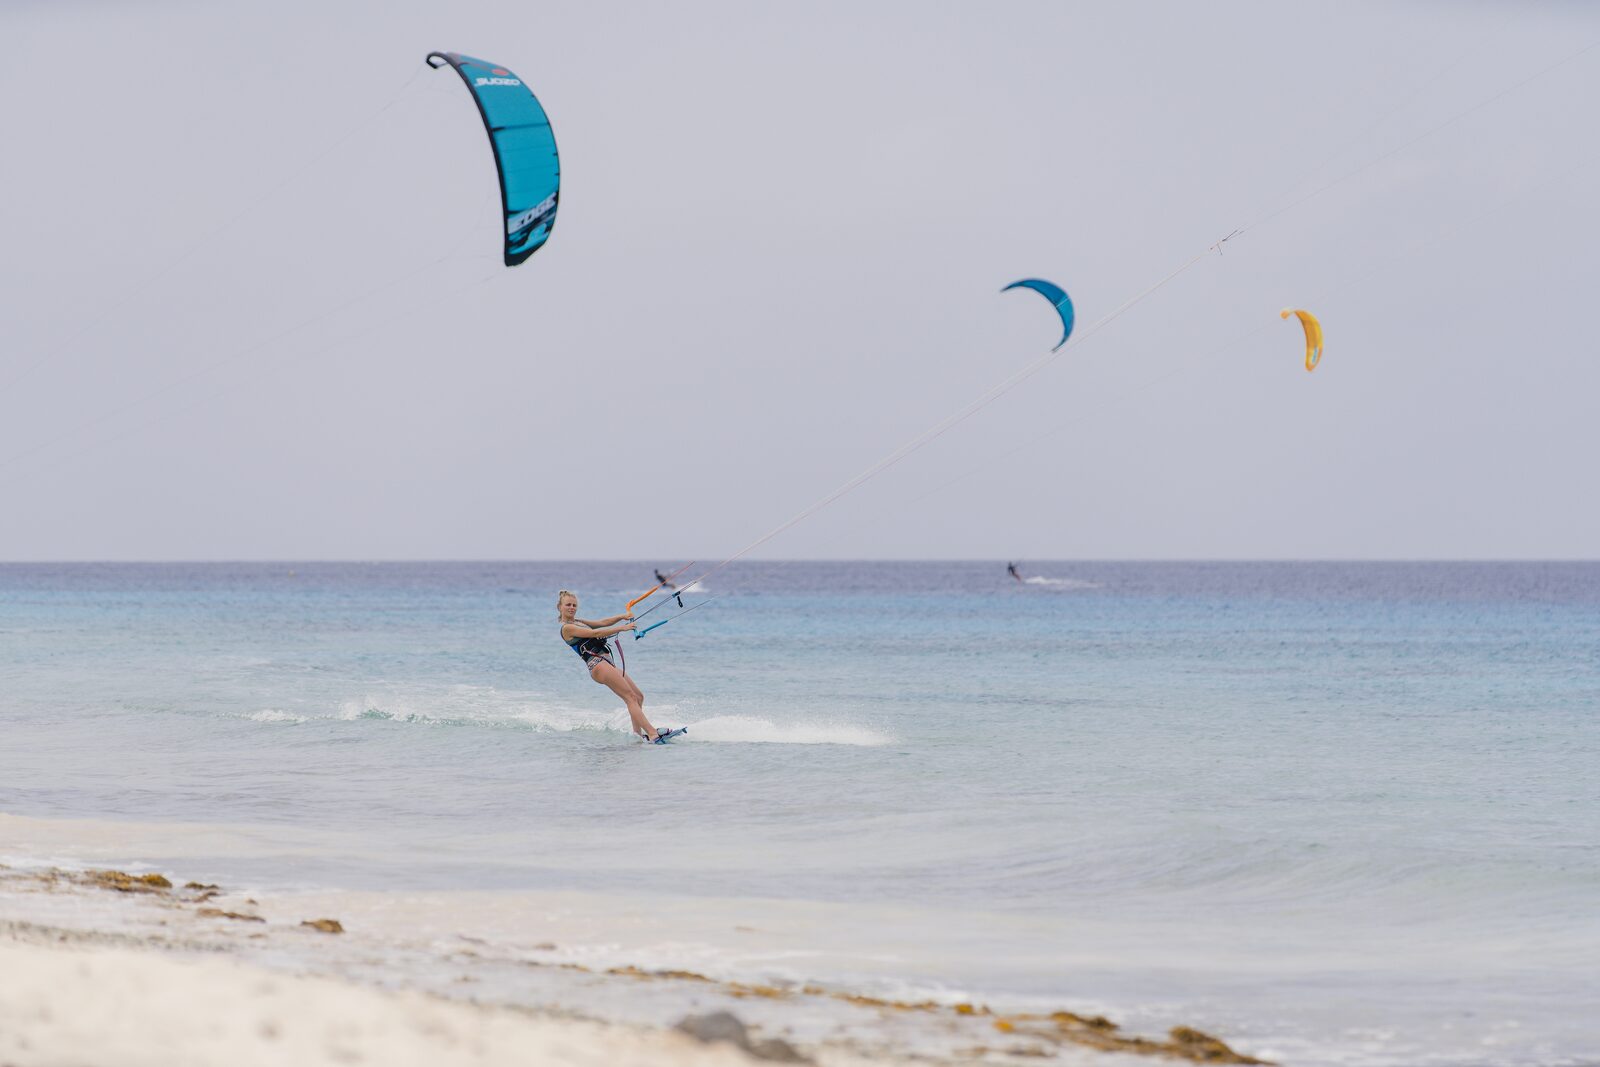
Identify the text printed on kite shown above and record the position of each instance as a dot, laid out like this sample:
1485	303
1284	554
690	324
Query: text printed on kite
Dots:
1057	296
524	150
1313	330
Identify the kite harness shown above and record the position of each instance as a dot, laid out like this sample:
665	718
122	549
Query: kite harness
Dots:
589	649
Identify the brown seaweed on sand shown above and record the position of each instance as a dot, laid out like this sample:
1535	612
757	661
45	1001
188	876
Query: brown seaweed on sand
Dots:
634	972
123	882
1183	1043
1204	1047
1058	1028
218	913
327	926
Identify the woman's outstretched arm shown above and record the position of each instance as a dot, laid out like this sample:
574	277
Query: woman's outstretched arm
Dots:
612	621
580	628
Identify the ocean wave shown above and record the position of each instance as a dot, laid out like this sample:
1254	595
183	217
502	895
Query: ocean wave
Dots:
471	706
484	707
276	715
1061	583
749	730
454	706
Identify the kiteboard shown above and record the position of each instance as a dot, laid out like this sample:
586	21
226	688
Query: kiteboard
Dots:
663	736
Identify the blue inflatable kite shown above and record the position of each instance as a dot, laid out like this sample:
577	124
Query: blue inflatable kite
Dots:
524	150
1057	296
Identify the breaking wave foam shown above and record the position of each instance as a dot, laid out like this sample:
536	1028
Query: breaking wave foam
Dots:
1061	583
275	715
465	706
745	729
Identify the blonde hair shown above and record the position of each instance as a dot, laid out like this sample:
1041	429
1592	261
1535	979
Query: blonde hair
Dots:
562	596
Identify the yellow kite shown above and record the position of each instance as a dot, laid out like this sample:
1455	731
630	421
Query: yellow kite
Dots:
1313	334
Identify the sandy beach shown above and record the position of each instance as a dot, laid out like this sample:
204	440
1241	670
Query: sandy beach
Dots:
77	1002
135	966
96	990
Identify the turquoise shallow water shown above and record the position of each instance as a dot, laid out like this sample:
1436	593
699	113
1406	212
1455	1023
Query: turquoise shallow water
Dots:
1346	805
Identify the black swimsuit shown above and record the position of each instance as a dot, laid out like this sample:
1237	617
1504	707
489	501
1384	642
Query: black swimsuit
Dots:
590	649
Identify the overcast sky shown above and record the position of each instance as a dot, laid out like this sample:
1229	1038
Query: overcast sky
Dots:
253	306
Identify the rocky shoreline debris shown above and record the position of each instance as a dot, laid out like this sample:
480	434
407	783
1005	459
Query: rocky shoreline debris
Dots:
1031	1034
726	1027
195	894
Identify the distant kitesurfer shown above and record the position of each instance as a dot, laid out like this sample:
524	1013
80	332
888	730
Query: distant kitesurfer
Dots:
588	639
664	581
1011	569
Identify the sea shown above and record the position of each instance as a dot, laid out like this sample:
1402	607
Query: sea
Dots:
1337	813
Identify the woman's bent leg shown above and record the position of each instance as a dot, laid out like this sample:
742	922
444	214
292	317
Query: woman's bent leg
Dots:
620	684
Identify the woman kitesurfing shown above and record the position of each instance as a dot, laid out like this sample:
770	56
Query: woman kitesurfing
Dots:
588	639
